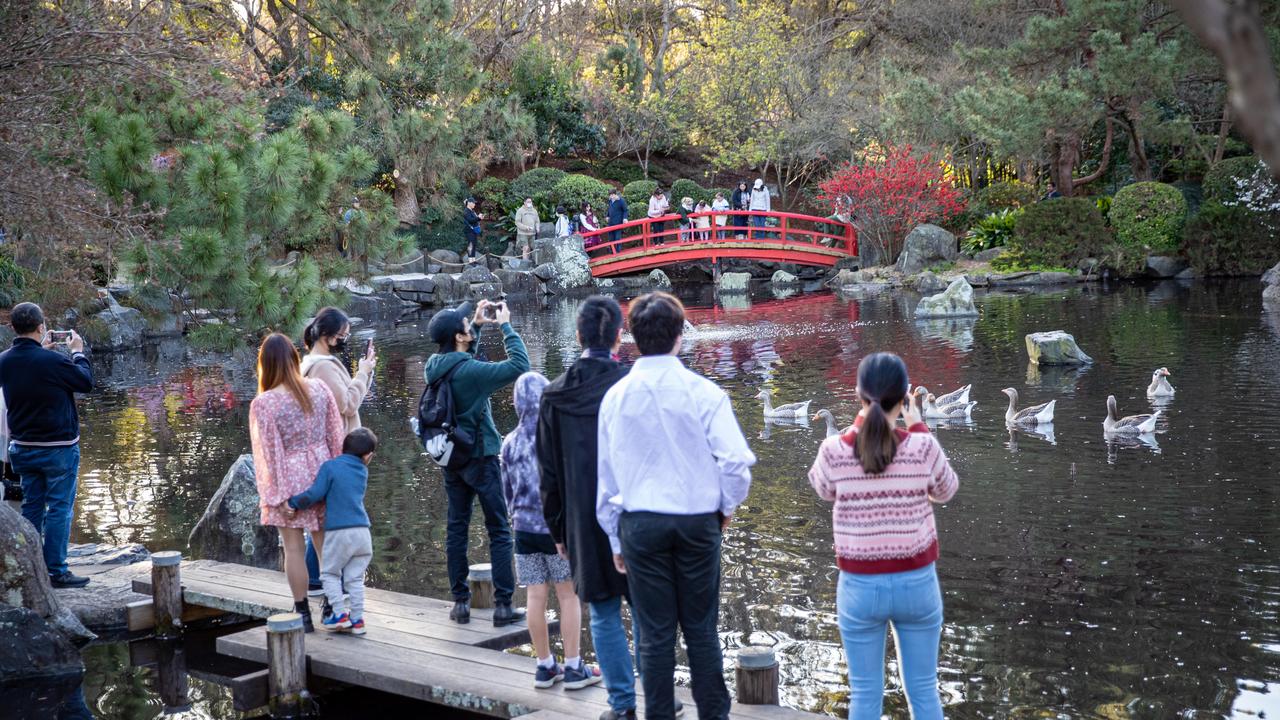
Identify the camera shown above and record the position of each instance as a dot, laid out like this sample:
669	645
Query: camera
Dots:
491	311
60	336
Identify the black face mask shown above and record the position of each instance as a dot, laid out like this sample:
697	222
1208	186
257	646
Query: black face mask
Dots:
338	345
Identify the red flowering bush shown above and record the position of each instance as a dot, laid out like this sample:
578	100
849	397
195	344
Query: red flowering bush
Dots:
891	193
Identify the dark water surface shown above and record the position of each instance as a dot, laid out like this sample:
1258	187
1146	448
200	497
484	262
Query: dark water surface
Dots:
1082	578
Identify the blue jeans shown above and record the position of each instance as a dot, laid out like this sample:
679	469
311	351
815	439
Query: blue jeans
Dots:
478	479
614	654
48	496
912	602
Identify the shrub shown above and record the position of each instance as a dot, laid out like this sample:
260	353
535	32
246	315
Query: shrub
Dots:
992	231
1003	196
12	280
1011	261
1222	182
1059	232
683	188
1103	203
537	184
1123	260
620	171
490	194
1230	240
1149	214
573	190
637	195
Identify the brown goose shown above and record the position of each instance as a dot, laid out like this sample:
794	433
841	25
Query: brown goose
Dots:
1034	415
1129	425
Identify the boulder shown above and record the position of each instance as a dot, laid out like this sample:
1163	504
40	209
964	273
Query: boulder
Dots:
447	258
1271	296
477	274
376	305
988	255
605	284
926	245
35	649
955	301
850	277
573	269
1164	266
658	279
546	230
24	581
734	282
520	284
1031	278
1272	276
449	289
782	277
1188	274
229	530
927	282
977	279
545	272
102	554
115	328
484	291
515	263
1055	348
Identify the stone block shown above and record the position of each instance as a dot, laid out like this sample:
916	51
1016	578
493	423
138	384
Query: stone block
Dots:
1055	347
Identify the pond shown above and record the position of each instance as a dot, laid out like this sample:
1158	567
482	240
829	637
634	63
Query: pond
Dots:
1081	577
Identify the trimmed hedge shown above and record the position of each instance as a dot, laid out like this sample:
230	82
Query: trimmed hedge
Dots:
1003	196
637	195
1059	232
683	188
1230	240
491	194
573	190
1148	214
1221	183
537	184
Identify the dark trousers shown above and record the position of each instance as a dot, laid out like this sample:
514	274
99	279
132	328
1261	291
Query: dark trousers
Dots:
478	479
673	571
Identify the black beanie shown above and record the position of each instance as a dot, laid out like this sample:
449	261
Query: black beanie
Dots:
446	324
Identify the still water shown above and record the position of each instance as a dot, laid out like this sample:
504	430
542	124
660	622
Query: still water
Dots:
1081	577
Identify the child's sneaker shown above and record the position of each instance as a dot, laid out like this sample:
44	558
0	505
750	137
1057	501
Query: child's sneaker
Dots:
584	675
335	622
357	626
545	677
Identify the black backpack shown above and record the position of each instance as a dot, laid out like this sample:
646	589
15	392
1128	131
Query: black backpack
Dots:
448	445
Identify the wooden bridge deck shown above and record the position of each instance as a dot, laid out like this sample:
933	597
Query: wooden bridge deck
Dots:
411	649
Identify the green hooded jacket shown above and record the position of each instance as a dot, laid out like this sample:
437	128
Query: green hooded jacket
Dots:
473	383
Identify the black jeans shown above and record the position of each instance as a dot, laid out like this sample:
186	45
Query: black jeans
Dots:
479	478
673	571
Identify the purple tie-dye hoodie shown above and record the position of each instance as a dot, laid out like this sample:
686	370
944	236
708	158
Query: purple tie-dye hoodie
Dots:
520	478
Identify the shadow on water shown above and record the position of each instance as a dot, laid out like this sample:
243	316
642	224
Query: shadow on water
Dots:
1083	576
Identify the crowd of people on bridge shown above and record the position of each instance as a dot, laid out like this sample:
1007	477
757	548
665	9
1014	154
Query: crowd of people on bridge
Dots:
617	484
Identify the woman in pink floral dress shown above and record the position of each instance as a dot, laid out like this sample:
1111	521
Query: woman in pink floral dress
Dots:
295	427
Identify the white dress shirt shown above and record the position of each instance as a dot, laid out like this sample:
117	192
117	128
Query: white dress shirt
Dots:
668	443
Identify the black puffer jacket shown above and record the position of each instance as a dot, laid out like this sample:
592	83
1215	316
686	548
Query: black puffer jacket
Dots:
567	456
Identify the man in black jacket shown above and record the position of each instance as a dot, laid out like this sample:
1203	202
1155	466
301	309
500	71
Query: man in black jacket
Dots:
39	391
617	215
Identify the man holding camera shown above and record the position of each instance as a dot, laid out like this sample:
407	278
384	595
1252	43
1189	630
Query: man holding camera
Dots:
39	386
472	383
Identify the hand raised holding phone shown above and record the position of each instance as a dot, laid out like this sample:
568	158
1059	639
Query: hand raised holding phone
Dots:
370	359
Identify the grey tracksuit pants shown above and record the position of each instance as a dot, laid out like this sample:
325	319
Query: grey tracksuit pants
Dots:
346	555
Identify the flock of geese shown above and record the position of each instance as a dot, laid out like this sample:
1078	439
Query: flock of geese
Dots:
956	405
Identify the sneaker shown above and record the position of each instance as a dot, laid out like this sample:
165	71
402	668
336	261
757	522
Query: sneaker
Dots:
614	715
357	626
315	590
68	580
335	622
545	677
325	609
584	675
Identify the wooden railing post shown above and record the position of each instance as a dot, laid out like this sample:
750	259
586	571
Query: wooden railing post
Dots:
757	676
286	666
166	593
480	579
785	237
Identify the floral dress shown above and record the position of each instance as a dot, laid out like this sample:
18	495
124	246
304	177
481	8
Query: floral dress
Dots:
289	447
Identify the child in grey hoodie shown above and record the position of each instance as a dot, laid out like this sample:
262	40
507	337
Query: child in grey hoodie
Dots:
538	564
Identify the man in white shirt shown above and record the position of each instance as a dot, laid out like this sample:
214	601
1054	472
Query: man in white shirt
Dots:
673	467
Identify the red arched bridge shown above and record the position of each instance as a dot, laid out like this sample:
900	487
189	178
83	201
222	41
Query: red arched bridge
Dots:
774	236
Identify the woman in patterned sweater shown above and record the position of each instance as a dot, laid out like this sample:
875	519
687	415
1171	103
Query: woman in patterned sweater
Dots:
883	481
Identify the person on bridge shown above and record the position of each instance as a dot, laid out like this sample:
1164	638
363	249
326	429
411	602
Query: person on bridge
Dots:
673	468
741	203
527	222
719	204
617	213
703	221
587	221
760	202
686	222
658	207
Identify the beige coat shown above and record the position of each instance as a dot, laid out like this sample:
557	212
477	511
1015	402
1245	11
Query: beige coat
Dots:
348	392
527	221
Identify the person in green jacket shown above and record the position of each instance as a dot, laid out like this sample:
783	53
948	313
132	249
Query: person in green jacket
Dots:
457	333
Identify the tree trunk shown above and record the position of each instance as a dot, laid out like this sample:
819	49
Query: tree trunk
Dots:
1138	161
1066	155
1223	129
406	198
24	580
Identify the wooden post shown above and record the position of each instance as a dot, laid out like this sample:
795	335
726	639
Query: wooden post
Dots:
481	581
286	666
166	593
757	676
172	669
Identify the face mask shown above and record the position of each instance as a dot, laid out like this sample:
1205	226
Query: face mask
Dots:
337	345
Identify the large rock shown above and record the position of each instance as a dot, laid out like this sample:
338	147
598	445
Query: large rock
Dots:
447	258
955	301
734	282
658	279
449	289
850	277
115	328
515	263
1271	296
411	287
24	580
988	255
928	283
32	649
927	245
1164	266
1055	348
545	272
519	284
546	230
1272	276
1031	278
782	277
573	269
477	274
230	530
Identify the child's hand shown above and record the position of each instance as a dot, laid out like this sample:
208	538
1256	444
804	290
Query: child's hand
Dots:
288	510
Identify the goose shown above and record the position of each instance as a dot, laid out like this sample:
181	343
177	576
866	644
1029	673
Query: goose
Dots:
790	410
831	421
955	396
955	411
1130	425
1034	415
1159	386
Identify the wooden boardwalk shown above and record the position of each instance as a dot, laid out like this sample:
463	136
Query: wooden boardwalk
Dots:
411	649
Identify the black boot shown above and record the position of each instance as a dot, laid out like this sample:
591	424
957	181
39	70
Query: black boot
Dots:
303	608
461	612
503	615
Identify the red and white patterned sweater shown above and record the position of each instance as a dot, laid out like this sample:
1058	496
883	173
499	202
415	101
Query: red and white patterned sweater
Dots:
883	523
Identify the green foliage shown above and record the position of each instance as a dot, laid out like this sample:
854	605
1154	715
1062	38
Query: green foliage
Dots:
683	188
573	190
538	184
1149	214
1123	260
1103	203
1230	240
993	231
1222	182
1058	232
490	194
549	92
620	171
12	280
1003	196
637	194
1012	261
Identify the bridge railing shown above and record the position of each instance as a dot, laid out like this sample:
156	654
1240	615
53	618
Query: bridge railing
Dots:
726	226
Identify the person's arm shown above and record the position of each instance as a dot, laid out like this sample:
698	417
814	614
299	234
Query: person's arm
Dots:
490	376
268	454
318	491
507	477
608	495
943	482
335	428
625	210
74	373
551	483
733	456
348	393
820	477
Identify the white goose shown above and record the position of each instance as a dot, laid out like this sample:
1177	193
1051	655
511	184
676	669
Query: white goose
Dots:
952	411
1160	386
825	414
955	396
790	410
1129	425
1034	415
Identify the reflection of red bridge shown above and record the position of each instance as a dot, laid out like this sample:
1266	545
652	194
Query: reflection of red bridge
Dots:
774	236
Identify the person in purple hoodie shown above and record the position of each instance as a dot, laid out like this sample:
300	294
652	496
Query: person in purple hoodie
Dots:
538	564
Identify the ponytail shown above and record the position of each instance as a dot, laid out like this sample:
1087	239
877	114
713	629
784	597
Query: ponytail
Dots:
876	443
882	384
327	323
